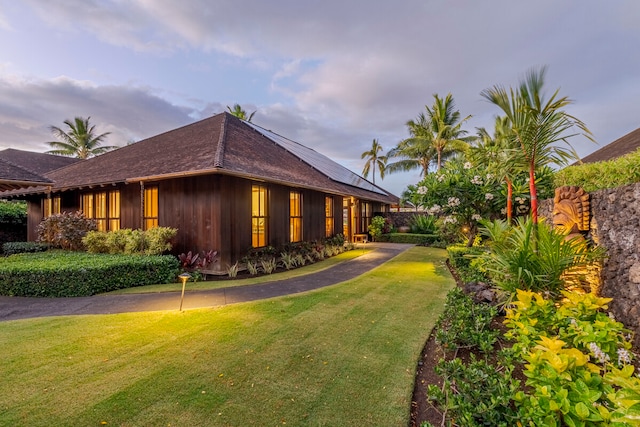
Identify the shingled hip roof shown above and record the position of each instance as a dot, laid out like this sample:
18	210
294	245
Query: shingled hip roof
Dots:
222	144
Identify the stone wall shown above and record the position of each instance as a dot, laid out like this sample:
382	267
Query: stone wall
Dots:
401	219
615	225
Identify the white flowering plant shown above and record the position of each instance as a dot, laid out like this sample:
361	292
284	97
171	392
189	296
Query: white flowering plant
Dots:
461	194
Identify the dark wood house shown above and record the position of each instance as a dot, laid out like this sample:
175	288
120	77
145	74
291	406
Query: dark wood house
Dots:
224	183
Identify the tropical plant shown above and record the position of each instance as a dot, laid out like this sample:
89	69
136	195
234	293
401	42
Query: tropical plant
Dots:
240	113
374	159
415	152
578	362
513	263
446	126
538	125
80	140
423	224
232	270
499	155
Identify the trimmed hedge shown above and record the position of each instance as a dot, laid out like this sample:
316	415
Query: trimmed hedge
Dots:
72	274
465	261
11	248
607	174
417	239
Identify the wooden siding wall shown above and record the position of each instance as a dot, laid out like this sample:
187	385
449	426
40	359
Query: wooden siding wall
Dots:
213	212
278	206
34	216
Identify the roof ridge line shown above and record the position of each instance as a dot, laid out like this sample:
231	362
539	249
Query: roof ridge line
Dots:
218	160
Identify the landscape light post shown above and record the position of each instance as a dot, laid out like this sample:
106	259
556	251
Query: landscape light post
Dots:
184	277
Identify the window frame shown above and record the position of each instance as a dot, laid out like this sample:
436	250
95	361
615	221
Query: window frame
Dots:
295	216
259	215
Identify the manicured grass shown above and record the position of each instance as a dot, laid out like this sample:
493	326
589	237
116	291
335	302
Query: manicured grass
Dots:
344	355
215	284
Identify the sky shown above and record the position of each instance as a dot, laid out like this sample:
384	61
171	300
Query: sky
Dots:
331	74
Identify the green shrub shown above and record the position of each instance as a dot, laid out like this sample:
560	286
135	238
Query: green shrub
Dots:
13	212
11	248
423	224
70	274
65	230
417	239
379	225
158	240
596	176
574	353
126	241
475	394
465	324
461	256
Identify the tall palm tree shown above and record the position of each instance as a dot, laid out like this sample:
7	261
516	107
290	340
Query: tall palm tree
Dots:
240	113
374	159
446	126
538	125
415	152
80	140
499	154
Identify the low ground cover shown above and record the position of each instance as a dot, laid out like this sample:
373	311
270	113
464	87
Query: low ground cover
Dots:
343	355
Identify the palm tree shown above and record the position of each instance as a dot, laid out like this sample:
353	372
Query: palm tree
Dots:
500	155
373	160
446	126
79	141
537	124
415	152
240	113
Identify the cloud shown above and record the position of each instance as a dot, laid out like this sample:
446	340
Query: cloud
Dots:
29	107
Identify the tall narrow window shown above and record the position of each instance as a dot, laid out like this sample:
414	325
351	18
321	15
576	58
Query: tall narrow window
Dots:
295	216
100	210
328	216
51	206
114	210
150	207
86	205
365	216
259	216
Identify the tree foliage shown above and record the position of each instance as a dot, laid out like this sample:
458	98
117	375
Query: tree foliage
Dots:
80	140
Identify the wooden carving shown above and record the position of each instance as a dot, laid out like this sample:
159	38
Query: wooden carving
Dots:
571	210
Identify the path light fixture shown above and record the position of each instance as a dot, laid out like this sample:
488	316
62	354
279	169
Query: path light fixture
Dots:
185	278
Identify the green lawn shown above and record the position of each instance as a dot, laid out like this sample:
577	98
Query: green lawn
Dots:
344	355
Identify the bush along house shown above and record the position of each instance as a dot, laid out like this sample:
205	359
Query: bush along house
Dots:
224	183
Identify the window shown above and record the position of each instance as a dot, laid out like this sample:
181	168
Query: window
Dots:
104	207
365	216
328	216
295	216
51	206
114	210
259	216
150	219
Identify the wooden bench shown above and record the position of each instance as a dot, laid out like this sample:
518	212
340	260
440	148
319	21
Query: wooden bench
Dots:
360	238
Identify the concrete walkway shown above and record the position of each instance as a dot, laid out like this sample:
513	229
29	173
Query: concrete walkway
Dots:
12	308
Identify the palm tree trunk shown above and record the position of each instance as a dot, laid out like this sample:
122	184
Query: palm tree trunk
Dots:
509	201
534	194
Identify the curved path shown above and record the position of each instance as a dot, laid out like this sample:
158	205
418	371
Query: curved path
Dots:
12	308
